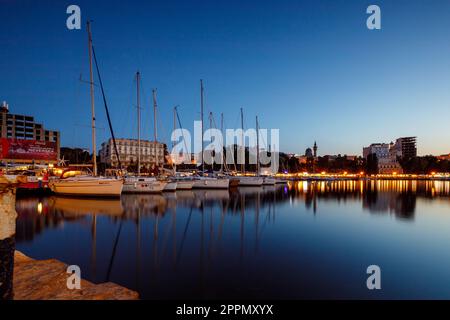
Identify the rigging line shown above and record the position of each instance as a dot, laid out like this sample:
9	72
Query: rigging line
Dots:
162	130
106	107
223	143
74	116
180	250
181	127
144	111
266	145
165	242
111	261
128	119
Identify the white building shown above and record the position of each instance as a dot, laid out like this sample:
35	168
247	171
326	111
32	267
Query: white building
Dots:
389	166
151	152
381	150
387	156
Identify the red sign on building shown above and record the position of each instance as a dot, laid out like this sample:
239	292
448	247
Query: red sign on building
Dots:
18	149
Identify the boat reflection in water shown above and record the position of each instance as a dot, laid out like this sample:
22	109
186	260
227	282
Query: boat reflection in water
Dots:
69	206
299	240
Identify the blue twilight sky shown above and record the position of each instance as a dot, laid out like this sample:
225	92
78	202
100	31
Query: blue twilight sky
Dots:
310	68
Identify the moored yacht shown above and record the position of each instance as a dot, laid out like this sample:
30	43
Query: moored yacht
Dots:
143	185
87	185
185	184
81	184
211	183
171	186
140	184
250	181
269	181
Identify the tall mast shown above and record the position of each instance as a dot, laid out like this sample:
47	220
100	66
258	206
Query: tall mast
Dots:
154	124
138	78
242	140
201	117
174	122
212	151
173	142
91	76
257	147
222	151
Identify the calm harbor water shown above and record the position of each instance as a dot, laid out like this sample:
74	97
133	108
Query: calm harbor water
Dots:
297	241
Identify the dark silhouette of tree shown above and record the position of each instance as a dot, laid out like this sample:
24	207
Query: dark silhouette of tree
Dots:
424	165
372	164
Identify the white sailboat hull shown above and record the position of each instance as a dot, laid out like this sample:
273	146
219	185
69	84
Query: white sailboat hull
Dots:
269	181
211	183
251	181
143	186
93	187
185	184
171	186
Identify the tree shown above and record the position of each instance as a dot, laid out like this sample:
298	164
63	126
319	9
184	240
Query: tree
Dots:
372	164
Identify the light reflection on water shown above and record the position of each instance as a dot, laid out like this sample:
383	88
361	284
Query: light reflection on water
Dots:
301	240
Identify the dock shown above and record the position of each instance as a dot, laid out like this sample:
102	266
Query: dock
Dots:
46	280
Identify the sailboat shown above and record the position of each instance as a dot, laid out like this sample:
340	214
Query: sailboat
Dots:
224	171
205	182
170	184
248	181
138	184
266	180
183	182
143	185
89	184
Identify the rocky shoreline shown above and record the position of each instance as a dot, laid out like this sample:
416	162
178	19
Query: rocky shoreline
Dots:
47	280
